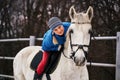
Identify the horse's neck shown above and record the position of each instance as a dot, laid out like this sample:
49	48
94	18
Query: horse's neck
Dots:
68	69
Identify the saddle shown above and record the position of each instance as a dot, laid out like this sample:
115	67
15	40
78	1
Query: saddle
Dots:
51	64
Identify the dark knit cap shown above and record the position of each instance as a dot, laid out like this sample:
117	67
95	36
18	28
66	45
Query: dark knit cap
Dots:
54	22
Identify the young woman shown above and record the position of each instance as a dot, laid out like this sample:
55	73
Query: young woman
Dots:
53	40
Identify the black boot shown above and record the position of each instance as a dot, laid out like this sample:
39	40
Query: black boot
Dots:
37	77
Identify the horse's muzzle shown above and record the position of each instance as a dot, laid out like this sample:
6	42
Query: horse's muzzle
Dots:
80	62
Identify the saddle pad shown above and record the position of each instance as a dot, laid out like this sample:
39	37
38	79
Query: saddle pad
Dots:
36	60
52	63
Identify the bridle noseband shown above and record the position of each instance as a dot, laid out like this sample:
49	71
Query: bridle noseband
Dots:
79	45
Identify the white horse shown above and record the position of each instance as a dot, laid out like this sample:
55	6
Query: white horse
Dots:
76	48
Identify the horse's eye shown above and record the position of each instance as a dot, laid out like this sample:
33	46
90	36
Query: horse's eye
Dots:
71	31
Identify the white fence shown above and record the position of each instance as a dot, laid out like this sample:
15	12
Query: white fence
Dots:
117	65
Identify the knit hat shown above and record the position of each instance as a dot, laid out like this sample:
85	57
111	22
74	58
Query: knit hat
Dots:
54	22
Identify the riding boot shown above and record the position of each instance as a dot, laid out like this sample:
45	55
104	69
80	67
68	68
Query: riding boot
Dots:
37	77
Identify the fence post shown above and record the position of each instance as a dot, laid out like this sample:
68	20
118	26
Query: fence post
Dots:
118	56
32	41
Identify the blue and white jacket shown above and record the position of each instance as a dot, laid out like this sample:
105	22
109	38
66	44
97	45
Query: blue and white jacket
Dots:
48	45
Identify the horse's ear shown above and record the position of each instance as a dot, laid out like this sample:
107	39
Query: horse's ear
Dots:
90	13
72	12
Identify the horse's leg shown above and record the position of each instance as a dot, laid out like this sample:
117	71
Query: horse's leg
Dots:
19	77
29	75
27	71
84	75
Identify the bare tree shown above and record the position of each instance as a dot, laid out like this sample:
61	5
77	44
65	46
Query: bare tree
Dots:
6	30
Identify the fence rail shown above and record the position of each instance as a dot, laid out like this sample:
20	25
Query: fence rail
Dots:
32	37
8	58
89	63
7	76
32	40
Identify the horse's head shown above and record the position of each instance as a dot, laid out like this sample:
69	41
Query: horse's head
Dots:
78	35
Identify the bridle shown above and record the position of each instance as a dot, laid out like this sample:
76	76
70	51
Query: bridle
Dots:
79	46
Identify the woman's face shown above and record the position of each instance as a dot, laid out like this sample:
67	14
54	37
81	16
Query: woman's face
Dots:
59	30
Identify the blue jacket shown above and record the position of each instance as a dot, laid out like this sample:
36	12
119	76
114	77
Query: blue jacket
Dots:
47	44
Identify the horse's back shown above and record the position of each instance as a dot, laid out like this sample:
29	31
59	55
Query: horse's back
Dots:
23	59
25	52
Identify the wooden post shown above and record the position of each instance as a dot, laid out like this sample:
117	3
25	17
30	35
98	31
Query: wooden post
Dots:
118	56
32	41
